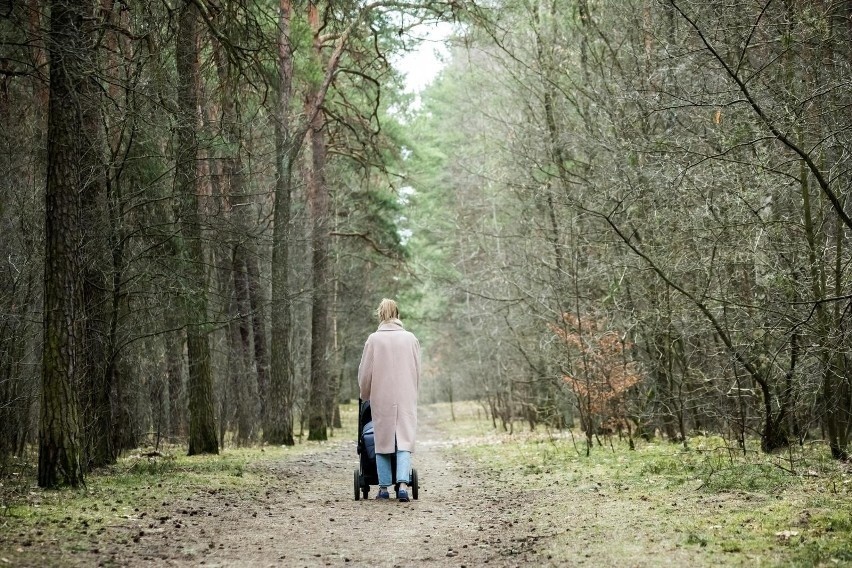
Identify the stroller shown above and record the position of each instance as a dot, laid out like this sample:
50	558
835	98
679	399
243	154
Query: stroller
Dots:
367	474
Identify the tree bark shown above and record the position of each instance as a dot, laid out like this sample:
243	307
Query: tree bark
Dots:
174	345
237	205
60	443
202	427
318	203
261	349
278	418
247	389
97	296
318	419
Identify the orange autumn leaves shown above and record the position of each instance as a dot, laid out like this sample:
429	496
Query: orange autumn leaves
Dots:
602	371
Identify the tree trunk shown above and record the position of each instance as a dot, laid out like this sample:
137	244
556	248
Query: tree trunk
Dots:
237	205
247	389
60	444
837	391
261	349
15	336
174	345
229	408
320	391
202	428
278	419
336	371
96	393
318	204
101	265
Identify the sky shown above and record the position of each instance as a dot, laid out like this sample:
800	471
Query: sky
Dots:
421	65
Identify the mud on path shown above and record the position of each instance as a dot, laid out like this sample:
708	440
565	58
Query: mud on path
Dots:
306	515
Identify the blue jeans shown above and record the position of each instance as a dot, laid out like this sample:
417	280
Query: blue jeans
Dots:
403	467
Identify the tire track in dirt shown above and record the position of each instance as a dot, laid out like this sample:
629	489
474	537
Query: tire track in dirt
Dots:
307	516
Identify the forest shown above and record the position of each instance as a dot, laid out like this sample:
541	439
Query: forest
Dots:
622	218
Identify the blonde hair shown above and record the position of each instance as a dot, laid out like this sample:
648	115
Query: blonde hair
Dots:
387	310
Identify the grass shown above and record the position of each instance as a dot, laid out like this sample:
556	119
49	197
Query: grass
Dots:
709	505
135	487
715	504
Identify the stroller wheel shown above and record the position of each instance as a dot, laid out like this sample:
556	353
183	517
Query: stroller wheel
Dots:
358	486
415	484
365	492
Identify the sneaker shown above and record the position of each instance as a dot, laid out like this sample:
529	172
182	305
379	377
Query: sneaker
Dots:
402	495
383	494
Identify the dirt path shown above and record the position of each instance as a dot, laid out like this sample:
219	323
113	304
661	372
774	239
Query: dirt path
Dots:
307	516
299	510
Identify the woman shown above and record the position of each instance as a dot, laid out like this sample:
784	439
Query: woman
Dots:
389	377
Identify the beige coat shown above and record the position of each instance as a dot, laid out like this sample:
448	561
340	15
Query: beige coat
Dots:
389	377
